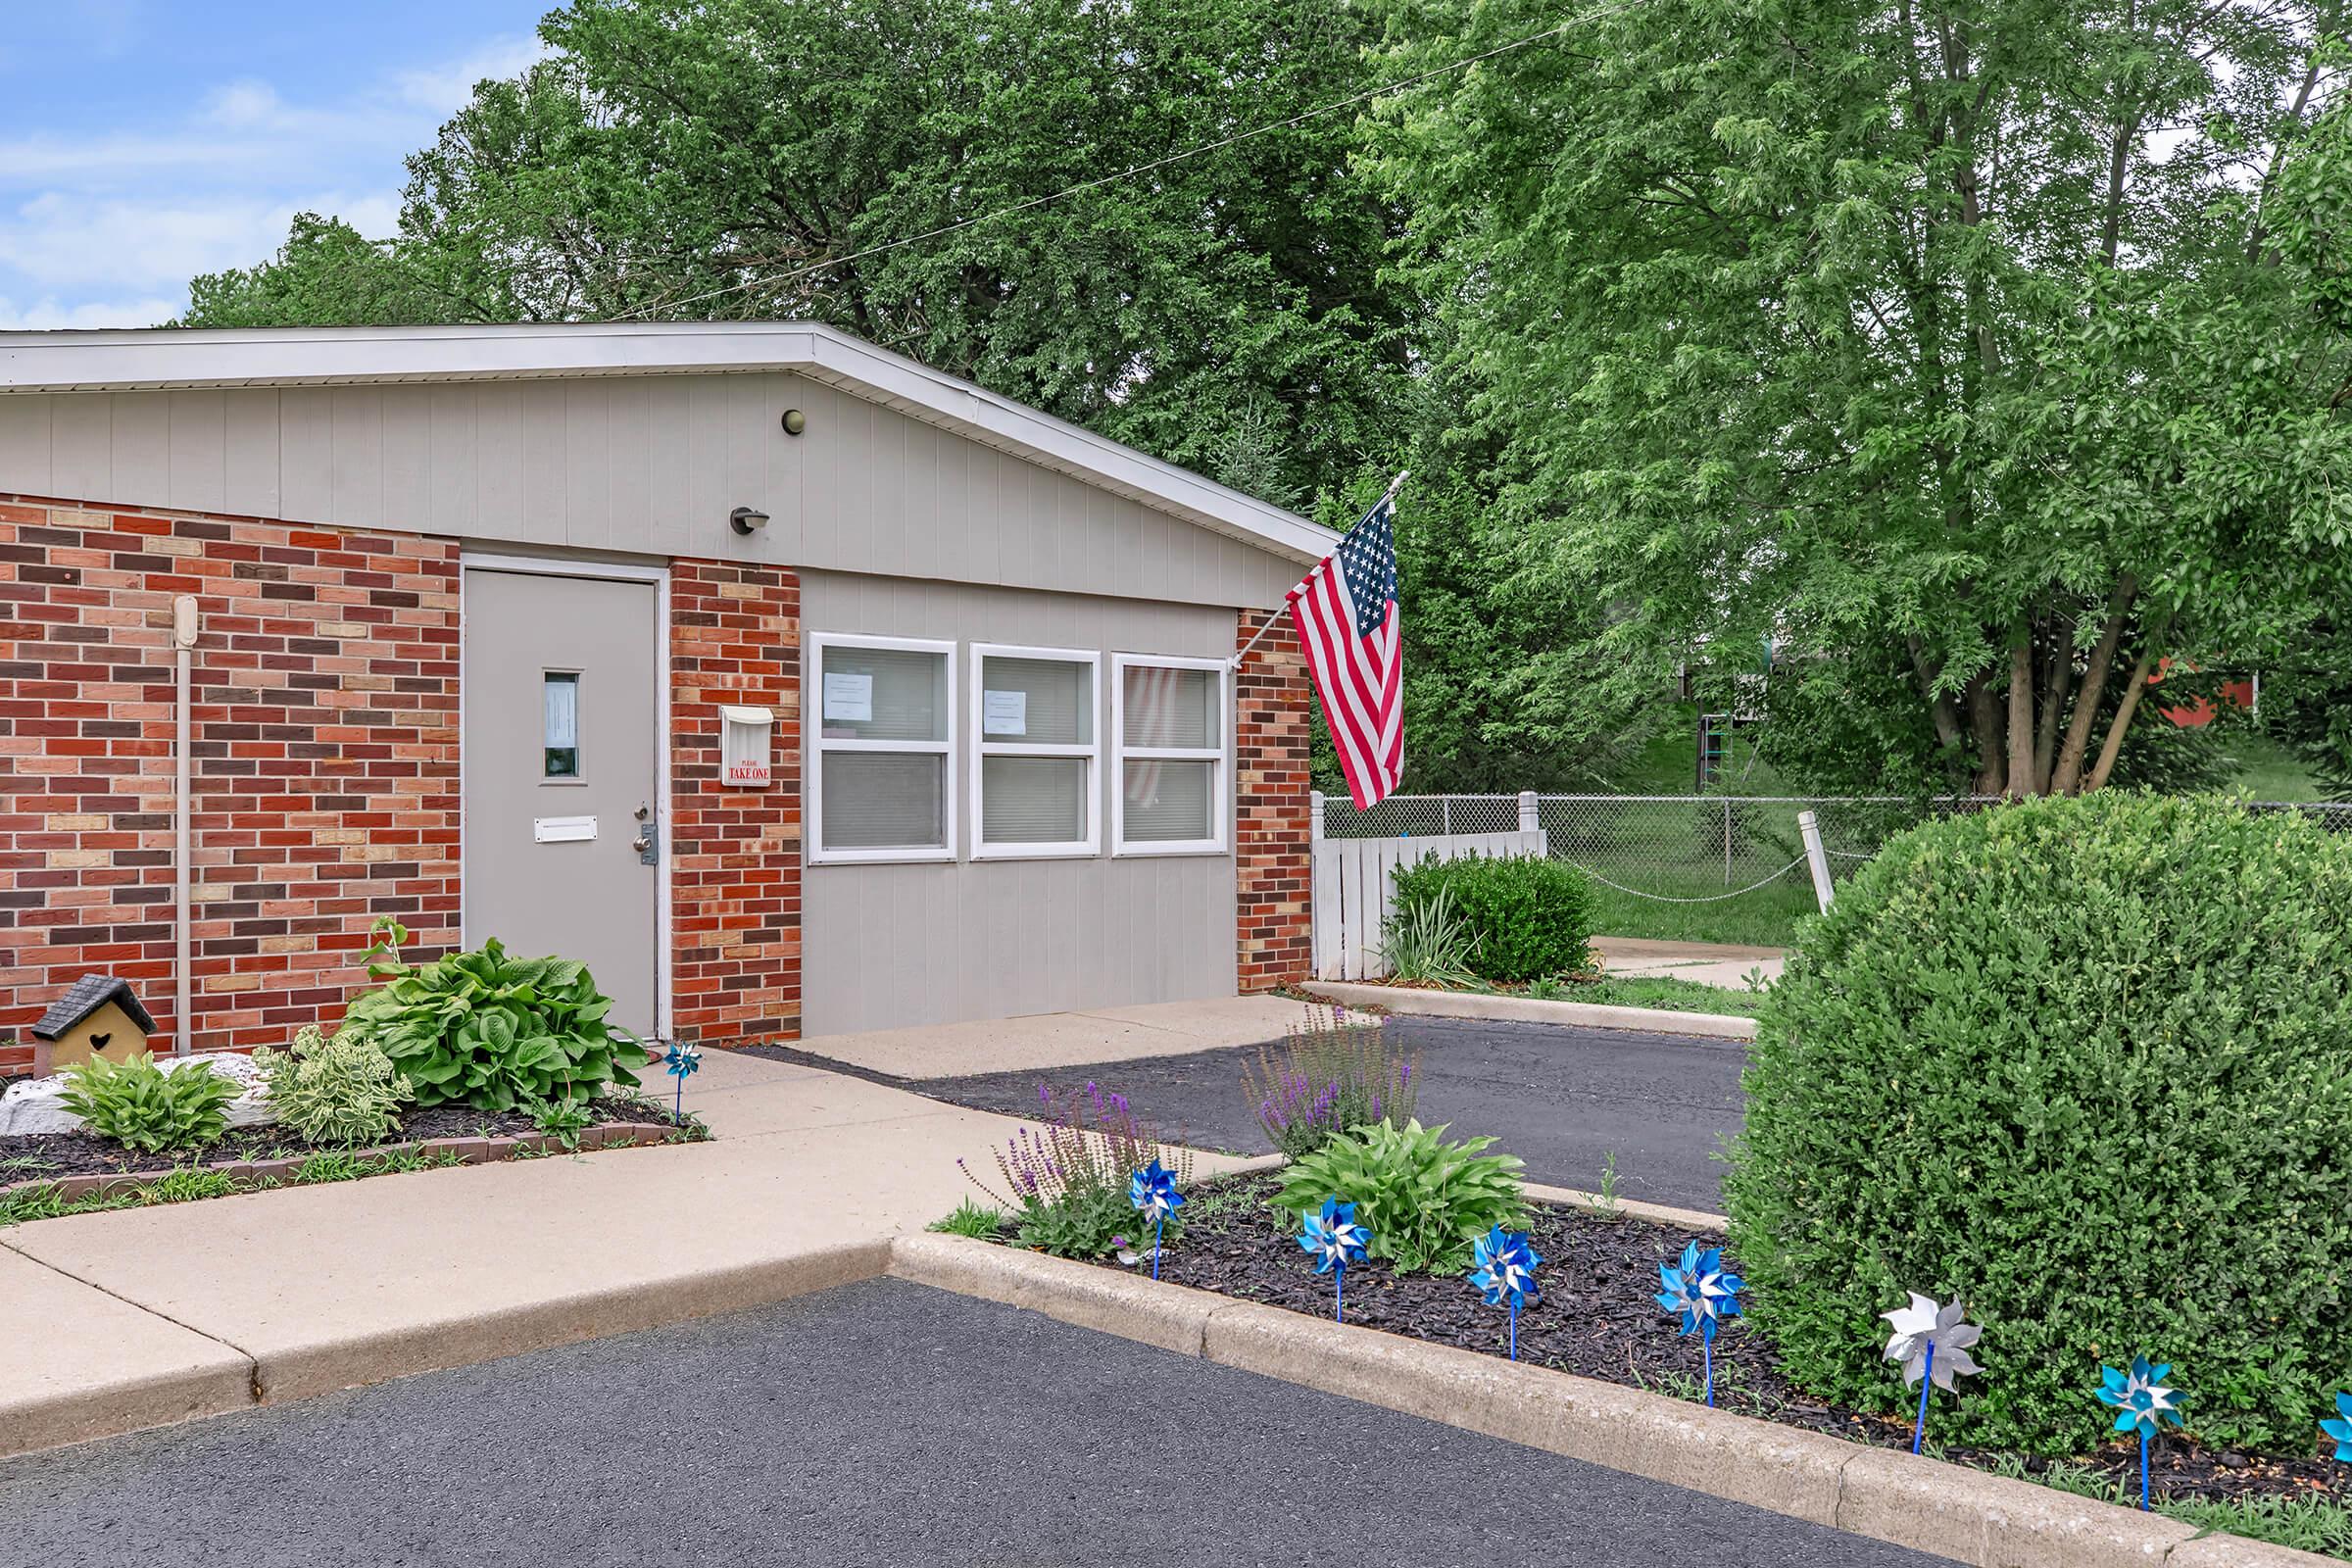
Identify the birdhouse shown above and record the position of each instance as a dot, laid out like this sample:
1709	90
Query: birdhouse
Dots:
98	1017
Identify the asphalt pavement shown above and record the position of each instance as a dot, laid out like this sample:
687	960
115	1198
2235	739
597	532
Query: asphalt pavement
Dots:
1562	1098
880	1423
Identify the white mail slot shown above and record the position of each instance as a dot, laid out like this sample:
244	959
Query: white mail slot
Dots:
562	829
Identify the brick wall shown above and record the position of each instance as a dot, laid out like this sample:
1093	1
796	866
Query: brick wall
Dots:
324	754
735	853
1272	871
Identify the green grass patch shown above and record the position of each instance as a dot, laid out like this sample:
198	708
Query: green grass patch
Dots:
1766	918
1658	991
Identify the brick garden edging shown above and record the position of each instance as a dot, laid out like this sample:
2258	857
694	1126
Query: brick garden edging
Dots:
469	1152
1926	1504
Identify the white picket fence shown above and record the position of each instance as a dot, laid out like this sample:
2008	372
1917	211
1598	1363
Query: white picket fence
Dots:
1355	879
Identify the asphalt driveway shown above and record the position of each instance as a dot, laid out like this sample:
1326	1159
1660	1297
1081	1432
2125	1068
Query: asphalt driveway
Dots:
1561	1098
881	1423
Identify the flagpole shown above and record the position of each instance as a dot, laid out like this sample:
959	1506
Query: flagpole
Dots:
1385	496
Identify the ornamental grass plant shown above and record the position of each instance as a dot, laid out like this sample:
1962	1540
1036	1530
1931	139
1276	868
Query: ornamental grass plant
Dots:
2085	1065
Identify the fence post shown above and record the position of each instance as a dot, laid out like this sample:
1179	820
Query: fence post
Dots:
1446	814
1816	858
1727	841
1529	819
1314	816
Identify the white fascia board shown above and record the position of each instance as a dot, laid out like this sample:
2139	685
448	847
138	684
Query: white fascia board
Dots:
166	358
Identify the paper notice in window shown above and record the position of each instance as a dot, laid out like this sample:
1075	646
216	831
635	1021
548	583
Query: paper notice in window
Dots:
849	698
1005	713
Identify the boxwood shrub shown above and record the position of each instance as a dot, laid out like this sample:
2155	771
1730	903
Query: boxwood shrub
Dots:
1526	917
2087	1064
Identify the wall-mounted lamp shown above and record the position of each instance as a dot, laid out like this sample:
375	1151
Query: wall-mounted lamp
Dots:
747	519
795	422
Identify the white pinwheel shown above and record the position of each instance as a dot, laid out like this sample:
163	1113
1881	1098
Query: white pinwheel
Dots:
1932	1341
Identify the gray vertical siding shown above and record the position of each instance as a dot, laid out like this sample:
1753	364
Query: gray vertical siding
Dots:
651	465
886	945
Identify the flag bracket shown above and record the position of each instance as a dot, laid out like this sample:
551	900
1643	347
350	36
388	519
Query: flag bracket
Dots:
1385	496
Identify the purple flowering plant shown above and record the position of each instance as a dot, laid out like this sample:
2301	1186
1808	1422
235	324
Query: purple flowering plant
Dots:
1063	1177
1329	1074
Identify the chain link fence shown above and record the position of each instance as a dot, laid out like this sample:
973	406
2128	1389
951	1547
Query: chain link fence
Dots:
1708	866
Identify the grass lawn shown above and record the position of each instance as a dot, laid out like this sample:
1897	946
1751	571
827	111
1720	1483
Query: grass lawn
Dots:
1662	991
1767	916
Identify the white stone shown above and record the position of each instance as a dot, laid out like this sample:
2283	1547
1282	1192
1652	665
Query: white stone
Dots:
32	1105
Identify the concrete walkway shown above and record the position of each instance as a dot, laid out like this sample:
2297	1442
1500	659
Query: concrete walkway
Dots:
1048	1039
1713	963
137	1317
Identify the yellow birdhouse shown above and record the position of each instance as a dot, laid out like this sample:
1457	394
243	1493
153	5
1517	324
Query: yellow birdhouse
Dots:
98	1017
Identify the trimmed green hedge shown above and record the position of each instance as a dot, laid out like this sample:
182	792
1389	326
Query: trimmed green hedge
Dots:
2087	1064
1527	918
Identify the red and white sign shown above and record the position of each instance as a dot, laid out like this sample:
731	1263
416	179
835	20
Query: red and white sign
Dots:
743	747
746	774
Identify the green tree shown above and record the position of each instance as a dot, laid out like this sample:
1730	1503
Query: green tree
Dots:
1985	355
326	274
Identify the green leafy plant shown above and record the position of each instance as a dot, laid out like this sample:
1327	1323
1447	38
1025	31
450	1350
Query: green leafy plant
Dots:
1422	1199
976	1220
1523	916
137	1104
563	1120
492	1031
1428	942
337	1090
1607	1195
1330	1073
1065	1182
2079	1062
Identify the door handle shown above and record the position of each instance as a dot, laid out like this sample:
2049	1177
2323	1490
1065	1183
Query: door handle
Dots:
648	842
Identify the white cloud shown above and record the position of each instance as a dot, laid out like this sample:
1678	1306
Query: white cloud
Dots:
48	315
121	243
446	88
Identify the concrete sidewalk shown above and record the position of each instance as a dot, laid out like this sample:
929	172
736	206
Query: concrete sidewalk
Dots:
137	1317
1711	963
1048	1039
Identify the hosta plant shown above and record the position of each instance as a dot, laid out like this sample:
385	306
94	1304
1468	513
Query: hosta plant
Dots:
1424	1199
338	1090
137	1104
490	1030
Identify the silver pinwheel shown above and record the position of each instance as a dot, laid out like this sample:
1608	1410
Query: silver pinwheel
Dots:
1931	1345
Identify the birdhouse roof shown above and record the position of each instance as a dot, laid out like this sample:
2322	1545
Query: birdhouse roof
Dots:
91	993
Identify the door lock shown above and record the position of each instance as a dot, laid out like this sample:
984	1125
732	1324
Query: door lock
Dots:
648	843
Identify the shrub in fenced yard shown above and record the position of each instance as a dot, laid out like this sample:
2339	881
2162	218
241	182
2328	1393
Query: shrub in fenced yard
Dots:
1424	1199
1330	1073
490	1030
2086	1065
334	1090
1428	942
1065	1186
1527	917
137	1104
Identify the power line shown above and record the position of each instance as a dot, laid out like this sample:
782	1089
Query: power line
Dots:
1597	14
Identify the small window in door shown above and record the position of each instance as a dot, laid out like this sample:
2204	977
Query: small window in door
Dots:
560	697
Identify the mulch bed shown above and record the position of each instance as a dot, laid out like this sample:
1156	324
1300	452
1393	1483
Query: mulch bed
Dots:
26	1156
1598	1319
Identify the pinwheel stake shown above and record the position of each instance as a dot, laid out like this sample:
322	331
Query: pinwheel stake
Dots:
1505	1270
1920	1330
2341	1429
2141	1400
677	1061
1702	1295
1153	1190
1336	1239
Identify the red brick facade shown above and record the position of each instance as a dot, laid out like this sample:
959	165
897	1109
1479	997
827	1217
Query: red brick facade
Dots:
1272	867
735	853
325	750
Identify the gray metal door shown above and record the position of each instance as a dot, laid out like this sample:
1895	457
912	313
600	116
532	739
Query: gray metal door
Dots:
562	752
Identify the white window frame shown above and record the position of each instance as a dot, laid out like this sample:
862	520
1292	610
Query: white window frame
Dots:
983	747
1218	756
814	746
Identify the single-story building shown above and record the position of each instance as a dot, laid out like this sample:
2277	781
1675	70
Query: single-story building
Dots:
795	687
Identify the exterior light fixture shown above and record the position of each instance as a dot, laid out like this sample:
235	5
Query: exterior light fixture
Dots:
747	519
795	422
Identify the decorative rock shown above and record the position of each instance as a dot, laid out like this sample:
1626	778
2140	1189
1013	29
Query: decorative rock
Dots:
32	1105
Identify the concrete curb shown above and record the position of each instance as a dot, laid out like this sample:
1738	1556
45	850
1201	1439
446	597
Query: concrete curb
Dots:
1526	1009
1687	1219
1926	1504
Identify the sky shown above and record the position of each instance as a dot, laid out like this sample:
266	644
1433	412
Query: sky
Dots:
145	141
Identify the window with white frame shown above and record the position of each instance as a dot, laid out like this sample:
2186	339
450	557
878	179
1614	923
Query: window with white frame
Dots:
1169	718
1034	788
882	723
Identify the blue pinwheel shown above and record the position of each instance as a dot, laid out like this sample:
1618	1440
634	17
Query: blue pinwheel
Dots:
2141	1402
680	1061
1701	1293
1336	1239
1153	1191
1504	1269
2340	1429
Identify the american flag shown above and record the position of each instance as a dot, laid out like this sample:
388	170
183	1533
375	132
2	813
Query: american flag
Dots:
1345	614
